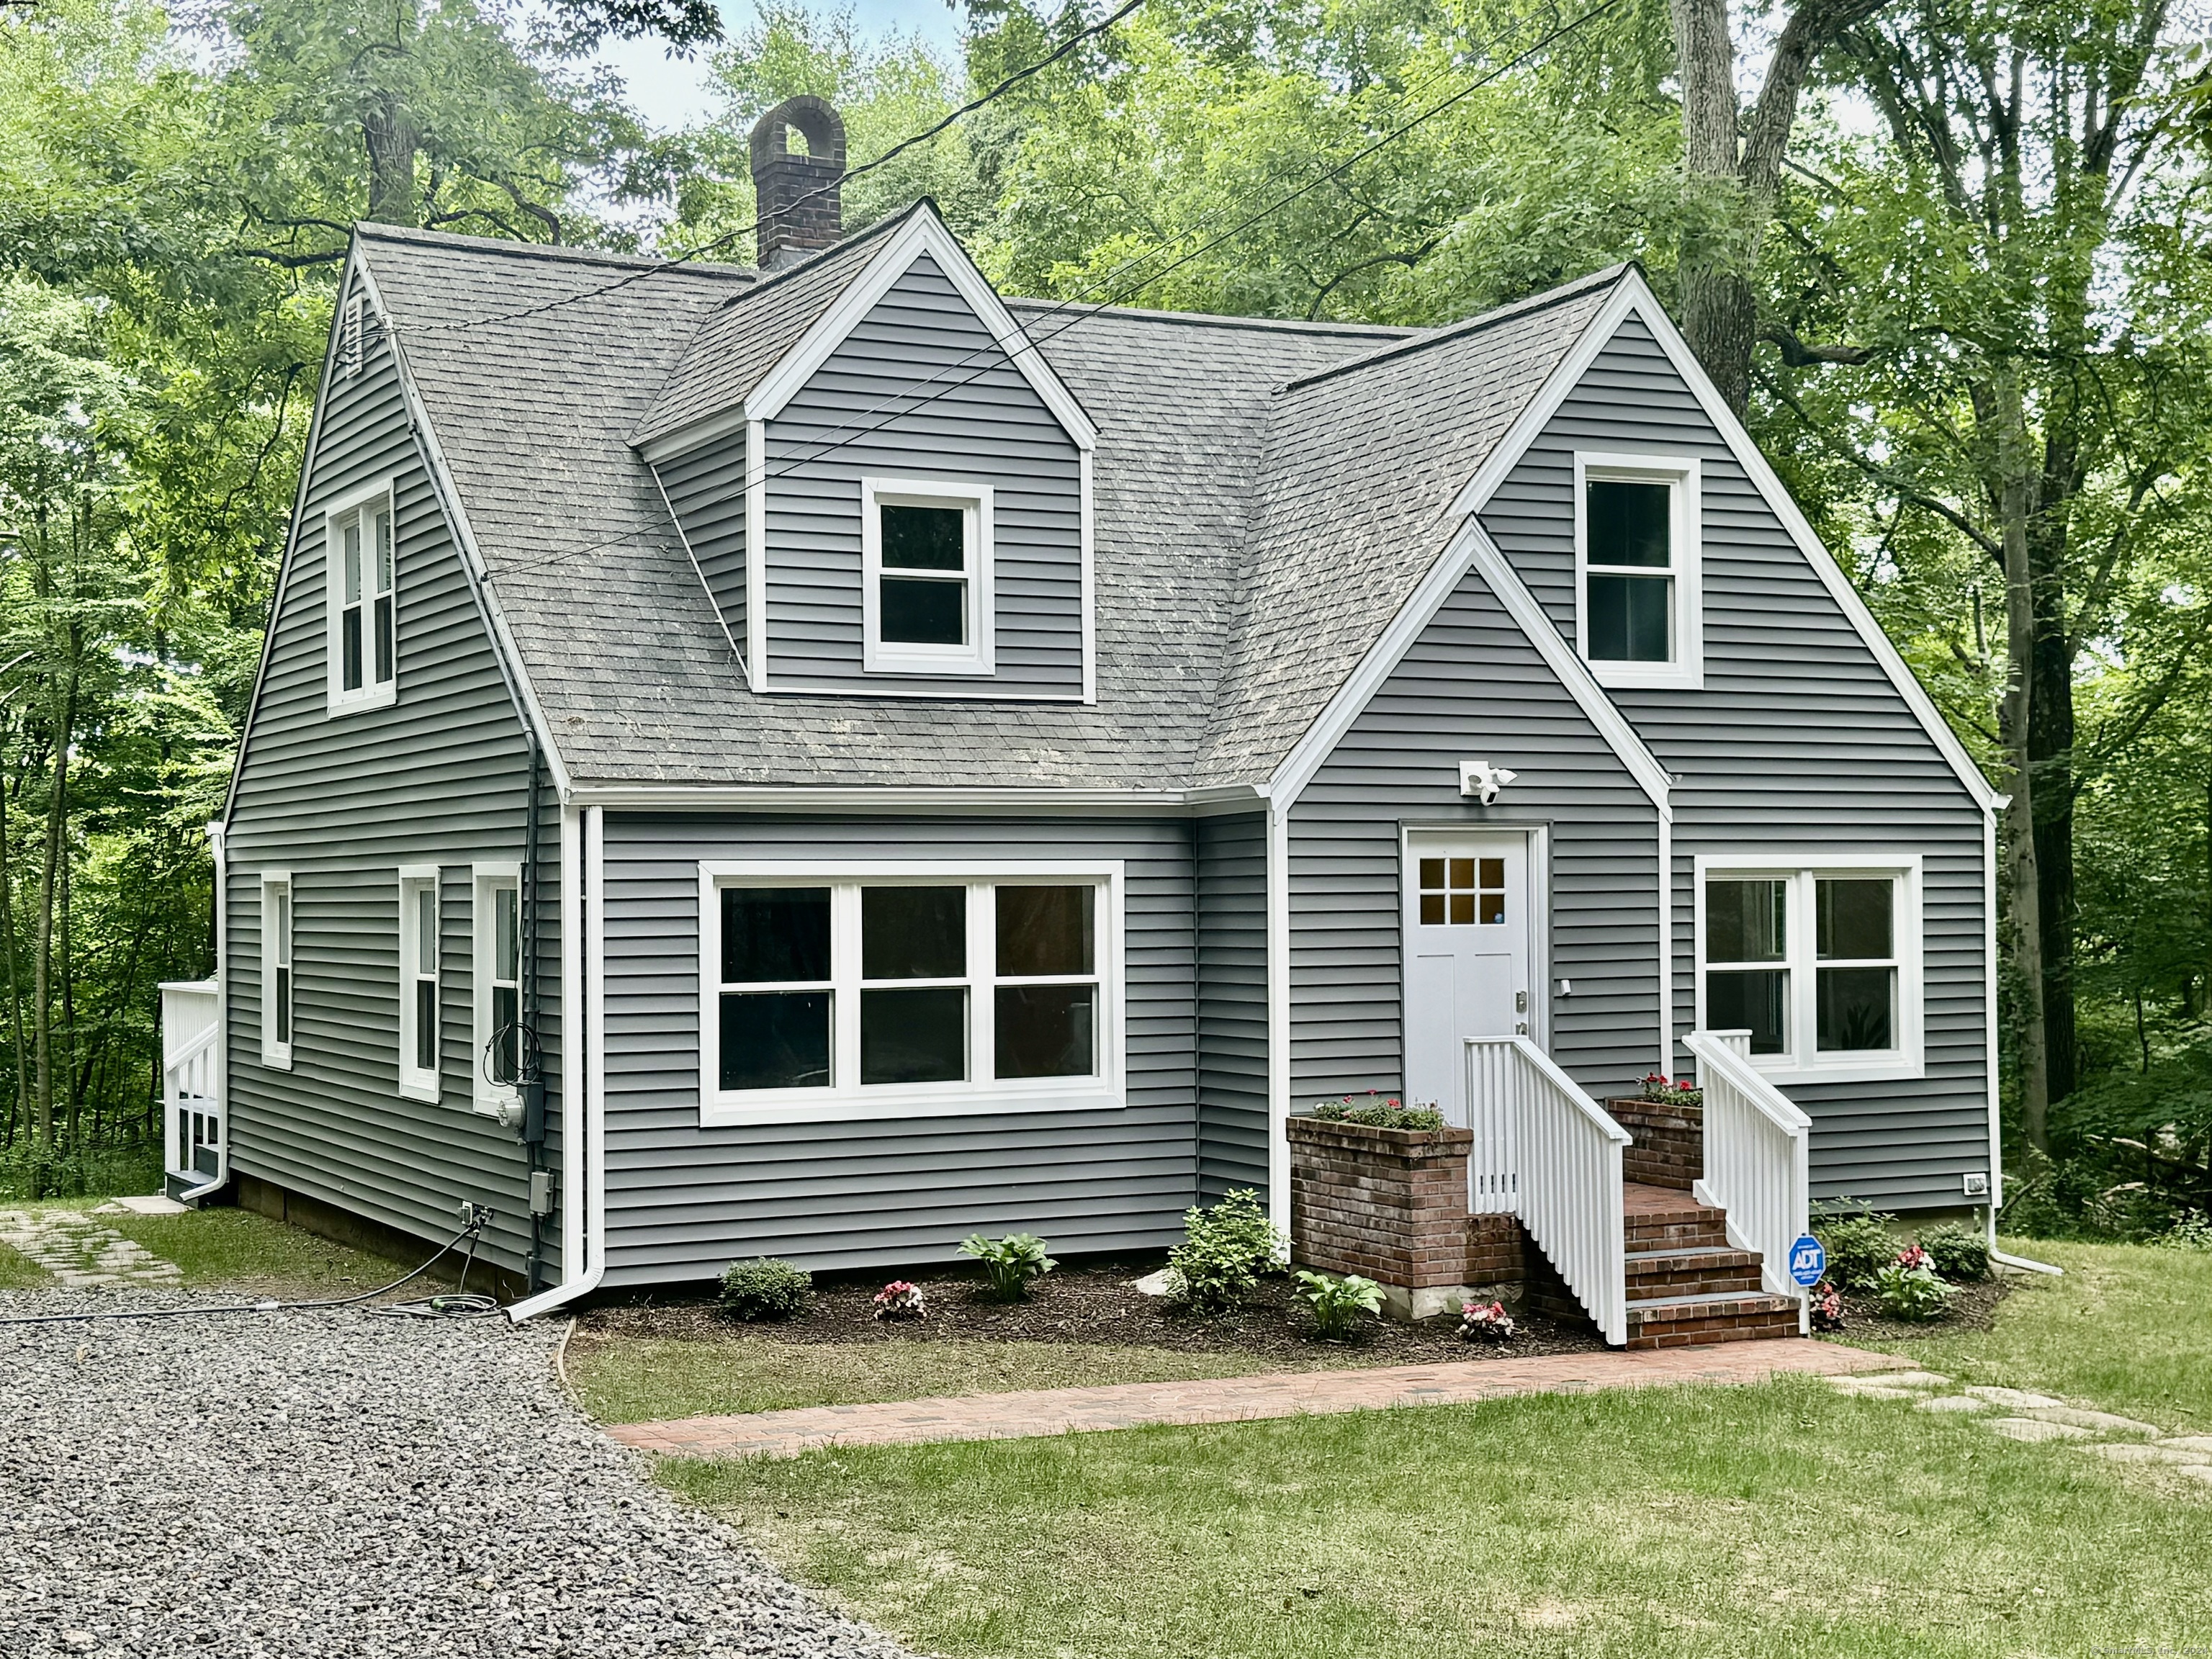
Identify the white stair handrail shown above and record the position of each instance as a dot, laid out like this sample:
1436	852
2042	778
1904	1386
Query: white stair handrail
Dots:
1758	1159
1564	1173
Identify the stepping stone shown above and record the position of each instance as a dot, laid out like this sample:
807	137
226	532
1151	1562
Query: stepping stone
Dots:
1954	1402
2134	1451
2033	1428
2016	1399
1907	1380
2095	1422
2201	1442
1859	1390
151	1203
2196	1472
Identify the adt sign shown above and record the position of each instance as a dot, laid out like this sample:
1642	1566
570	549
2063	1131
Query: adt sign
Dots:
1808	1262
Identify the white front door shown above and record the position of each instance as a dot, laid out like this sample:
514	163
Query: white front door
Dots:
1468	928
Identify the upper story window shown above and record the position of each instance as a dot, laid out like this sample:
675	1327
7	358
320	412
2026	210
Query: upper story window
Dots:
418	981
502	1044
925	570
277	969
363	638
1821	965
1639	610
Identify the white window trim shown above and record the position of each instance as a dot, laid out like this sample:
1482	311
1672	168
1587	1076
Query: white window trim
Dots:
976	657
848	1103
1680	474
416	1083
487	1097
273	1053
1803	1064
372	694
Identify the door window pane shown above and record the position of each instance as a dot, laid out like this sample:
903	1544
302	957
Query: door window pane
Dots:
1852	919
1630	618
913	612
1046	1030
1462	892
914	1036
1627	523
1746	921
1856	1008
776	1040
913	932
1044	930
774	935
924	538
1757	1001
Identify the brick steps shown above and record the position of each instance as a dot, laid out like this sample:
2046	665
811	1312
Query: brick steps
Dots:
1688	1285
1690	1322
1696	1270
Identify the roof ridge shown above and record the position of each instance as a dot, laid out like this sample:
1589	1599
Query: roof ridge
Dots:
555	252
1506	312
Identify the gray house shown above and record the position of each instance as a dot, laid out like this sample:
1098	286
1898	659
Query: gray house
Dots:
821	759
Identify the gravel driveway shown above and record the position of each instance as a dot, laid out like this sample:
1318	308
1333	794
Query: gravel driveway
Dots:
340	1483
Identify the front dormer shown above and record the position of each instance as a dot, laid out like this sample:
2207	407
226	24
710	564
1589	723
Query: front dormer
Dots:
885	487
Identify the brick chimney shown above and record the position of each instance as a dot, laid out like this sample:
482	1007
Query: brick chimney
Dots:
797	192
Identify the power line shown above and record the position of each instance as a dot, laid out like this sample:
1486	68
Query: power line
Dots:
1032	341
692	255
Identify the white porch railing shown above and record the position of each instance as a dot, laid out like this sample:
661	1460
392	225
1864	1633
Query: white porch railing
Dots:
1756	1157
1547	1152
191	1082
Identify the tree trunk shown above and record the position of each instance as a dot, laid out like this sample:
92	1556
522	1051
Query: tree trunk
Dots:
1718	309
390	134
21	1110
57	837
2050	753
2001	407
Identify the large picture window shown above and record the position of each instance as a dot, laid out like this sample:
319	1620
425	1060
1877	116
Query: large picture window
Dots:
418	981
1639	610
363	637
1820	965
876	990
926	567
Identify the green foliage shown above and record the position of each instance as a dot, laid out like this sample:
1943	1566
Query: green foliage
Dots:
1859	1246
1911	1293
766	1288
1377	1112
1957	1252
1010	1264
1224	1250
1338	1303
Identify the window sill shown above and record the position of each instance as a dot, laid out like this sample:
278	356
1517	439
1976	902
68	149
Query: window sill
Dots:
424	1089
832	1106
353	703
1656	675
277	1059
1884	1068
966	663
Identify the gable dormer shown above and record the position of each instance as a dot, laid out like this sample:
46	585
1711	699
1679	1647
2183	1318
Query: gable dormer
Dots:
885	487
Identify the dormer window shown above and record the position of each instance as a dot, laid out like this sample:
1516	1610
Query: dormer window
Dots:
1639	615
925	564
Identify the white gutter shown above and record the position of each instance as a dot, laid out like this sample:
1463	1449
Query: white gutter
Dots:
583	1009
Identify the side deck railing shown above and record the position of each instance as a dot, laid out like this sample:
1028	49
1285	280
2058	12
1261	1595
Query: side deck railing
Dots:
1758	1164
1547	1152
191	1084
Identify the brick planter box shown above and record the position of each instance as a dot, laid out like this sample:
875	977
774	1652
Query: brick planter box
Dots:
1390	1205
1670	1149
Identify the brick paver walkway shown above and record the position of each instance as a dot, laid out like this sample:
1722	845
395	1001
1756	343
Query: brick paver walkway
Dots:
1229	1399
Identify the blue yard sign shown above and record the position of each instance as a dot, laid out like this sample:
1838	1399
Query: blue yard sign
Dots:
1808	1262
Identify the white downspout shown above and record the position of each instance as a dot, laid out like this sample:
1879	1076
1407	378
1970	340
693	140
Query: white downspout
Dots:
1279	1014
1990	1031
583	1013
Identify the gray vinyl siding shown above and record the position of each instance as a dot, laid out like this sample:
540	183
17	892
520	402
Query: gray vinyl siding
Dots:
1797	741
1471	687
683	1200
1231	893
437	778
920	390
706	491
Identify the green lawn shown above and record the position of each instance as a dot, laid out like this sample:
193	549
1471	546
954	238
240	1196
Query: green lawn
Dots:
1782	1519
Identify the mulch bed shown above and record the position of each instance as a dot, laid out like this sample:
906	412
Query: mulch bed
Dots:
1092	1303
1973	1308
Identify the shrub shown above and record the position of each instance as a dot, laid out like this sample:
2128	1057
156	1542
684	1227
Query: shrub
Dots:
900	1299
1484	1322
2192	1232
1377	1112
1859	1247
765	1288
1009	1263
1337	1303
1957	1254
1223	1252
1911	1292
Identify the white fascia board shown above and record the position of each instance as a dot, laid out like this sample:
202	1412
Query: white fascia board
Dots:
860	797
472	560
924	232
1634	297
1471	548
754	658
698	436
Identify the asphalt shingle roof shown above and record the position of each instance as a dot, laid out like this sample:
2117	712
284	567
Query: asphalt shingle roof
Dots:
1265	499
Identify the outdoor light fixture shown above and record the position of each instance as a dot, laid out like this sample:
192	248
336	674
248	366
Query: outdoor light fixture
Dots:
1482	781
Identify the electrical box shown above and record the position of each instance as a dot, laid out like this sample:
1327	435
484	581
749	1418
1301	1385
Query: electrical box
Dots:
1977	1185
541	1192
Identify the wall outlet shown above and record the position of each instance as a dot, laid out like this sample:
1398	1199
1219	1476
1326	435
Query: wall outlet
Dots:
1976	1185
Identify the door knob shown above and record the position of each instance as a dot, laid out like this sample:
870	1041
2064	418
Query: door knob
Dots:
1520	1002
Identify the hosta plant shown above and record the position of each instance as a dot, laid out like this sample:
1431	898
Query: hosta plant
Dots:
1010	1264
1337	1303
1911	1292
900	1299
1484	1322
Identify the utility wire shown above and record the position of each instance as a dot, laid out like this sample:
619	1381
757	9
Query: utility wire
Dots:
1032	341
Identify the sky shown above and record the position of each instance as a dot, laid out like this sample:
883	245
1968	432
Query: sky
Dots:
668	91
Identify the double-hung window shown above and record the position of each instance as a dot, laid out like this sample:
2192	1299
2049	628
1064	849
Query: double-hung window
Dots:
495	970
277	969
363	639
1820	964
925	573
1639	607
872	990
418	981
